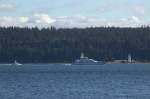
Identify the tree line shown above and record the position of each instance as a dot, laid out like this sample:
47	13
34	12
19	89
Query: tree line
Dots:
65	45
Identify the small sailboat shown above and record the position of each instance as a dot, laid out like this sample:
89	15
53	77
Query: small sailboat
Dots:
17	63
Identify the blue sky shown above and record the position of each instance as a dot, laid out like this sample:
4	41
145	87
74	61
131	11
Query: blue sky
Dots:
74	13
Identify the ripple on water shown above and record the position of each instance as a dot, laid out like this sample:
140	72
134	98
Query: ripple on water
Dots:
75	85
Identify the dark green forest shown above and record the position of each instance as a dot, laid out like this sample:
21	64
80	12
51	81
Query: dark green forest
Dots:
65	45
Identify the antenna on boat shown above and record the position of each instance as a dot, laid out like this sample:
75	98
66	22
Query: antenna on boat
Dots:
82	55
129	58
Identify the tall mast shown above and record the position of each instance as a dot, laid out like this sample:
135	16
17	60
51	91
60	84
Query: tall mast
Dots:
129	58
82	55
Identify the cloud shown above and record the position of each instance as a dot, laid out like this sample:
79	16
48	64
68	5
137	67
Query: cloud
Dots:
44	20
140	9
135	19
77	21
39	20
23	19
82	21
13	21
6	7
132	21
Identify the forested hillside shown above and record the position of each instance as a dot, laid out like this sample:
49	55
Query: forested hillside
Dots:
65	45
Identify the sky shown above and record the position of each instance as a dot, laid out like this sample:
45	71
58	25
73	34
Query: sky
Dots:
74	13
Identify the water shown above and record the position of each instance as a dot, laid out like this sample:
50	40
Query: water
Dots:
76	85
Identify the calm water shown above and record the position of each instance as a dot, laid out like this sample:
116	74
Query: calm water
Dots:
75	85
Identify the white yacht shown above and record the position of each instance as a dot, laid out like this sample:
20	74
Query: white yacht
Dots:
87	61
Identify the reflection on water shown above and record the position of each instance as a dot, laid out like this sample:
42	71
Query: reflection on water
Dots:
75	85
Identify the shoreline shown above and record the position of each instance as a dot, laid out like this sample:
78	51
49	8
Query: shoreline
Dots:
109	62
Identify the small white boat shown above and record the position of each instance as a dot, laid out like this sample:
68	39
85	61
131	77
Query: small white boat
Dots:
68	64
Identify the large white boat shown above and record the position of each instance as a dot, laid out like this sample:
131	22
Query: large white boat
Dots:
87	61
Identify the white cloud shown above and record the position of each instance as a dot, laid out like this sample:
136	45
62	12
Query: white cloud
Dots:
5	19
82	21
23	19
135	19
78	21
7	7
140	9
44	20
40	20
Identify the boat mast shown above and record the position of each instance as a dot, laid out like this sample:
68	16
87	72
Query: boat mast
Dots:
129	58
82	55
